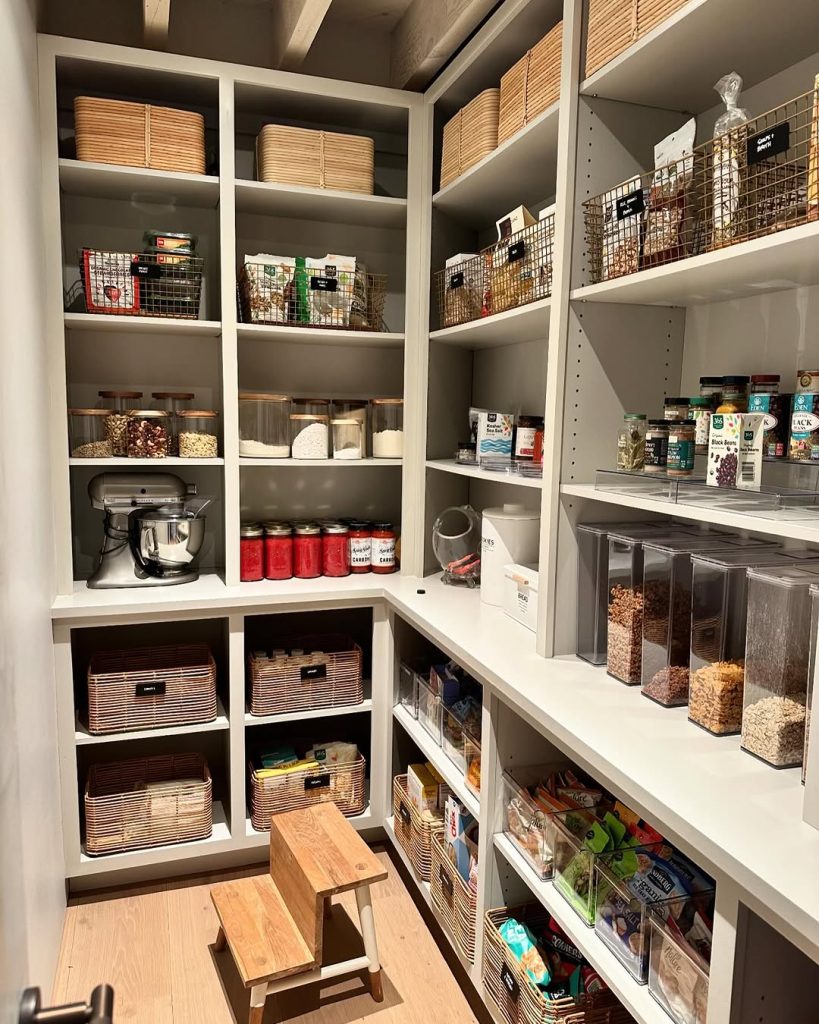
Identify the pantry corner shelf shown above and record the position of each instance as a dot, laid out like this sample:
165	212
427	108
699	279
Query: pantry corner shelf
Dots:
635	997
370	463
320	204
170	460
116	324
319	335
84	738
511	479
365	706
521	169
523	323
778	262
142	184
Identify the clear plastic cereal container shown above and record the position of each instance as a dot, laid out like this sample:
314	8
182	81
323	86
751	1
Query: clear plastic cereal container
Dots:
429	709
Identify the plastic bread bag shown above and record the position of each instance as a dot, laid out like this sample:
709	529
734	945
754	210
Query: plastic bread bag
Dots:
622	228
729	167
666	238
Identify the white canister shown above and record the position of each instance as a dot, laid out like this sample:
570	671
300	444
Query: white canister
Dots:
520	594
508	534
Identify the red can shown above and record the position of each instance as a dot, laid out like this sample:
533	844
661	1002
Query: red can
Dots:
251	553
307	551
383	548
360	544
278	551
335	550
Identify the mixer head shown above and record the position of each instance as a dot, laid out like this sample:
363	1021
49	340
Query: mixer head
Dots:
120	492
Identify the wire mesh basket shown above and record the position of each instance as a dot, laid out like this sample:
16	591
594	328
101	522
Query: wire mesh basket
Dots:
291	292
163	284
755	180
512	272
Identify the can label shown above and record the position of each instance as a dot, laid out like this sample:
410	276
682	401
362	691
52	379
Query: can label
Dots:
383	551
656	451
360	551
680	454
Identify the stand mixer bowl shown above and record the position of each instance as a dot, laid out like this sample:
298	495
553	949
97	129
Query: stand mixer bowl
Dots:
166	541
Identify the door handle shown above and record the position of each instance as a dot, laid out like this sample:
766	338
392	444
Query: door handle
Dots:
99	1010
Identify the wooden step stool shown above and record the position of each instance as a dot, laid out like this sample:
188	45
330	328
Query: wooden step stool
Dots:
274	923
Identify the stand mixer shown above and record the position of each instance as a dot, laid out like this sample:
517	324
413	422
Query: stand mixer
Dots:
153	530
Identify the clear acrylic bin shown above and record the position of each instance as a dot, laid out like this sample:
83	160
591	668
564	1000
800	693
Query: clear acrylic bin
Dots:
575	835
408	675
677	975
429	709
472	756
814	638
656	486
525	824
667	588
718	620
454	732
776	663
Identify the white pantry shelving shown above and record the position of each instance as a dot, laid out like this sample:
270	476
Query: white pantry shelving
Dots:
476	473
523	323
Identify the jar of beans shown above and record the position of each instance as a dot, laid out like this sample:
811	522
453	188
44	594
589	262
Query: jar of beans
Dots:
307	557
278	551
88	434
117	423
335	552
148	433
251	553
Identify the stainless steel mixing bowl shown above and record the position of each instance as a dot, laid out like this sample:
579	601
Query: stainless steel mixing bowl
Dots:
166	541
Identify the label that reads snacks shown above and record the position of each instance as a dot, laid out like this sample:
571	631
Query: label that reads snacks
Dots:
317	782
510	983
628	206
769	143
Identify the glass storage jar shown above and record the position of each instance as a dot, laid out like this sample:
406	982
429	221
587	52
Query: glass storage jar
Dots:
734	394
117	423
251	552
383	548
335	550
711	388
388	428
306	551
525	430
631	442
88	434
348	438
675	408
466	454
700	409
681	443
278	551
814	639
148	434
361	542
353	409
197	433
264	425
765	383
172	402
777	649
656	448
309	436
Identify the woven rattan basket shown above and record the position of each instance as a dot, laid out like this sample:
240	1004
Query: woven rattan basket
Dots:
470	135
151	687
455	900
328	677
530	85
139	135
148	801
341	784
414	830
305	156
615	24
519	1000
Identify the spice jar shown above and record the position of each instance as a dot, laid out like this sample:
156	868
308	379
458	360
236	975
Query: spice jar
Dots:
264	425
309	436
466	453
148	434
631	442
335	550
306	551
388	428
348	438
699	411
353	409
251	553
675	408
360	543
711	387
278	551
197	436
172	402
525	430
807	380
734	395
765	383
537	457
681	443
656	455
117	422
88	434
383	548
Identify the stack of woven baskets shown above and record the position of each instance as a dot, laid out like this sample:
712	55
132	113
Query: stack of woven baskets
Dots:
615	24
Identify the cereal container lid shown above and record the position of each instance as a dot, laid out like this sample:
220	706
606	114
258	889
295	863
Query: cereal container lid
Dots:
790	576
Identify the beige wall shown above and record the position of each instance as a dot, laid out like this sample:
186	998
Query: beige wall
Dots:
32	895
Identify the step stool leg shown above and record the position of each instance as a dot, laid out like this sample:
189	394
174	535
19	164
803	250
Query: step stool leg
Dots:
365	915
258	994
221	941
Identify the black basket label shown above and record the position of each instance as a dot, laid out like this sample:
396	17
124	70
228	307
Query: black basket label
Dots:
516	251
628	206
156	689
510	983
147	271
323	284
317	782
310	672
769	143
456	280
447	884
403	810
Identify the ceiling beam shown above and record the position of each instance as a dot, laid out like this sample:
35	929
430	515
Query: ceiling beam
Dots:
156	19
427	35
296	26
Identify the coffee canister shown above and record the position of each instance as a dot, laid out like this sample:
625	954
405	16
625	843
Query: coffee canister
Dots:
510	533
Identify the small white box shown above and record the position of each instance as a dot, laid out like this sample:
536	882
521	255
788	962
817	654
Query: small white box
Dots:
514	221
520	587
494	437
